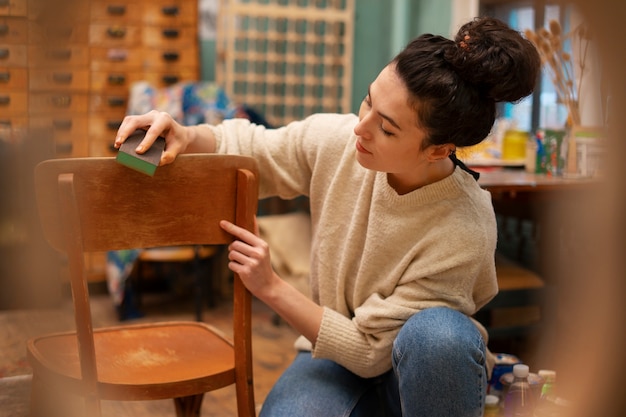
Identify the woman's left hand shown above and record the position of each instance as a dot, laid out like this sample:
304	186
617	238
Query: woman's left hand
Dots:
249	256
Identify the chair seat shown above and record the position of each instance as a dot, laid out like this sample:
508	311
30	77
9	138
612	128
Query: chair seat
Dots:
135	362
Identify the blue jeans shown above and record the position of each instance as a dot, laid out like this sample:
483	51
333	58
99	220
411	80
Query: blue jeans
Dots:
439	369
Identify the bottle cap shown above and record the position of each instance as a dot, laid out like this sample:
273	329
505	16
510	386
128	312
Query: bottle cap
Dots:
520	370
491	399
547	374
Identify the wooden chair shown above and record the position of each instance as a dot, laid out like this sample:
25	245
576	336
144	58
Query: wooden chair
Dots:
96	204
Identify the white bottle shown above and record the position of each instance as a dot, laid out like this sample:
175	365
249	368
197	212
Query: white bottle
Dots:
519	400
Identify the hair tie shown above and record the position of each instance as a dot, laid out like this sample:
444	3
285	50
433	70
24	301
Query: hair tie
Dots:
464	43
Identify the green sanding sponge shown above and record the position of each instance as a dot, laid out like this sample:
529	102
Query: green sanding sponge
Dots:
145	163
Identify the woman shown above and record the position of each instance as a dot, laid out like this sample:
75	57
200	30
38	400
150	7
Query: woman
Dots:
403	237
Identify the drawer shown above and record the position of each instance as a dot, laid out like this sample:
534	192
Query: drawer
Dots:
103	127
70	146
58	79
112	34
13	30
102	147
170	12
13	78
66	33
113	81
179	37
58	102
65	11
167	78
106	103
13	7
59	55
70	133
12	122
120	11
14	102
157	58
13	55
111	59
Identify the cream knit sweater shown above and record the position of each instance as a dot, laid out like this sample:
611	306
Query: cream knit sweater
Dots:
377	257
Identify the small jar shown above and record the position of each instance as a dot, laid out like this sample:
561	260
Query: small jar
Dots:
492	406
514	145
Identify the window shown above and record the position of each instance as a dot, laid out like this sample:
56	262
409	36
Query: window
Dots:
541	110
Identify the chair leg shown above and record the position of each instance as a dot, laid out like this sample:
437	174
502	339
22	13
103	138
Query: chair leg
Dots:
188	406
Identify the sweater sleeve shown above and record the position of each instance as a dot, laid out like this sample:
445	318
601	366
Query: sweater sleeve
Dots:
287	156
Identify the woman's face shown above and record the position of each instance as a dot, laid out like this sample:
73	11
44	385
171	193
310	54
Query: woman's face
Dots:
388	137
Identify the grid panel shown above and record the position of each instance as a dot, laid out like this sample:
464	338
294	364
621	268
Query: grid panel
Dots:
286	59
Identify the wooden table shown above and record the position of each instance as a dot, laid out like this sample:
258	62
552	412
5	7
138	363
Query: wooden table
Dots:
504	180
533	213
549	205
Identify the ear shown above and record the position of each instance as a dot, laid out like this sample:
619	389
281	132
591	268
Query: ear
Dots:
439	152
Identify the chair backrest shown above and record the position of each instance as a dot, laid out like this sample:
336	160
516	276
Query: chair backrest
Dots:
96	204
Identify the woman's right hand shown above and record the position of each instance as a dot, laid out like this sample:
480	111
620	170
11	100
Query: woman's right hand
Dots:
156	123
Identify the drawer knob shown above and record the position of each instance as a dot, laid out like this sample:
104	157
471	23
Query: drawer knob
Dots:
4	3
170	56
170	10
62	77
116	101
117	79
116	10
64	148
62	124
116	32
4	53
114	124
5	77
170	33
5	100
170	79
61	101
4	29
117	55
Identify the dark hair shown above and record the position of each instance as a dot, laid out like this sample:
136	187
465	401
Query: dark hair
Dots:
455	85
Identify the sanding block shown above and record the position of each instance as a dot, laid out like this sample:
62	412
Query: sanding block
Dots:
145	163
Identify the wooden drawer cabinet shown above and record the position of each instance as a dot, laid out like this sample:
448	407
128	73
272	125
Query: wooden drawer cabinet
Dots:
67	66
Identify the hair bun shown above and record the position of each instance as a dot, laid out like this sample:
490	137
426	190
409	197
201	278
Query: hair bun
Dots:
497	59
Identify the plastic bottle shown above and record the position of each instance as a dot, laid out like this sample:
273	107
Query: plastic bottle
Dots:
492	406
547	404
519	400
548	391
